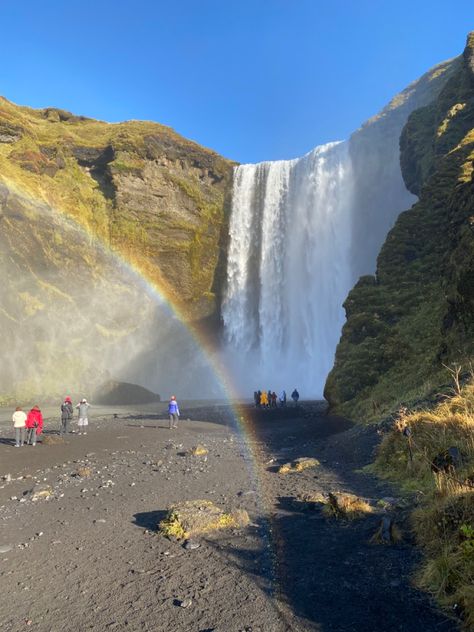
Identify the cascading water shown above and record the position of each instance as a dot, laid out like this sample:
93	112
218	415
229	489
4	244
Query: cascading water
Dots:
288	269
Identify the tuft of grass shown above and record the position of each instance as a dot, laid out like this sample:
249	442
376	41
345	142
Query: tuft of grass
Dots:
198	450
298	465
346	506
444	522
198	517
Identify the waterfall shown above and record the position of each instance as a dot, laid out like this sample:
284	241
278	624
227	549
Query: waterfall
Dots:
288	269
301	233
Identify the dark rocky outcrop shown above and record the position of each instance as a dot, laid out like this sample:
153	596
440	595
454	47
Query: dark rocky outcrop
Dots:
113	393
417	313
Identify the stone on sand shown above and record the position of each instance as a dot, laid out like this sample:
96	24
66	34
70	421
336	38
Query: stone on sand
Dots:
309	500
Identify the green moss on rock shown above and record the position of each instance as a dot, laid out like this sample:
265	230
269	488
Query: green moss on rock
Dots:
417	313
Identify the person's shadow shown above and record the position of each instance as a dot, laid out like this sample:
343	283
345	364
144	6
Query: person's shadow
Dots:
7	441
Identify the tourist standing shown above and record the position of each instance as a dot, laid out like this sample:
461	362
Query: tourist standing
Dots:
19	423
34	424
264	399
83	421
295	396
67	414
173	412
283	399
274	400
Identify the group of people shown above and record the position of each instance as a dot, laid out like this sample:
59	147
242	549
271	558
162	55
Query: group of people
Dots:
29	426
268	399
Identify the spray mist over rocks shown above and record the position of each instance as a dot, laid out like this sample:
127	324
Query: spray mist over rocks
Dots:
73	315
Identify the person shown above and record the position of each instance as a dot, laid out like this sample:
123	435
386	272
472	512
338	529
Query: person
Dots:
274	400
264	399
283	398
67	413
173	411
83	420
295	396
19	419
34	424
259	398
256	399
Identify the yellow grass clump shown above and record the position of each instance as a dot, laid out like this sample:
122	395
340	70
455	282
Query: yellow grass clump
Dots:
444	522
52	440
198	450
298	465
84	472
197	517
346	506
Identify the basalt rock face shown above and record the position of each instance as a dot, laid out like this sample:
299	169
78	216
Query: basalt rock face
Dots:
417	313
153	197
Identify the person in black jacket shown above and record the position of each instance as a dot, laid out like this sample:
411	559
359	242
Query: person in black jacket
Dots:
67	412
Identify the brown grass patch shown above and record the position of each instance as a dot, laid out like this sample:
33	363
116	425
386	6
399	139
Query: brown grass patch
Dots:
444	523
346	506
197	517
298	465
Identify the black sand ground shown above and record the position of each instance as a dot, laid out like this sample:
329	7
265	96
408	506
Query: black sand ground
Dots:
89	558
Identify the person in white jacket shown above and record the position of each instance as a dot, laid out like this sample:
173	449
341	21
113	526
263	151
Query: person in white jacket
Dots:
19	419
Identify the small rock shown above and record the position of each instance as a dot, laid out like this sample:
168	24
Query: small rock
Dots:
185	603
191	545
4	548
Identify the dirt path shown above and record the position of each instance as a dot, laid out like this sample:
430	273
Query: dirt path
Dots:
89	558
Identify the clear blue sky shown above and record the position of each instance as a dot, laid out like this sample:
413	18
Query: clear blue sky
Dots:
252	79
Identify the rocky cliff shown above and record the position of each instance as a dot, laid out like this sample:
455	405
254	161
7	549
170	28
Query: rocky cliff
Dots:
155	198
417	313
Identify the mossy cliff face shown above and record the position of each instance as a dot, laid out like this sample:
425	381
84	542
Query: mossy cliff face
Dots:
417	313
154	197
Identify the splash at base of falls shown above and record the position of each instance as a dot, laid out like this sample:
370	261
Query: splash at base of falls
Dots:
288	269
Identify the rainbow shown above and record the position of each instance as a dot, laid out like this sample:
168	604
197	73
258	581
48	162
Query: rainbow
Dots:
243	423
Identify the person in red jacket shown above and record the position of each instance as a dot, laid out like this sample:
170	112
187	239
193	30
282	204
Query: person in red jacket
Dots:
34	424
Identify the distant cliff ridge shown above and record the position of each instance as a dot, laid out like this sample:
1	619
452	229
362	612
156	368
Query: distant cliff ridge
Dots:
417	312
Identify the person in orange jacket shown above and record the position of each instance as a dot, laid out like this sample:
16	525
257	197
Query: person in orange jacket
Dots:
34	425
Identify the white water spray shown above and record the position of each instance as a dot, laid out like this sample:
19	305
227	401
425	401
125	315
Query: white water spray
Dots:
288	269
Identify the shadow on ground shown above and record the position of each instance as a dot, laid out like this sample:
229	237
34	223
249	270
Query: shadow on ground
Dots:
326	571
